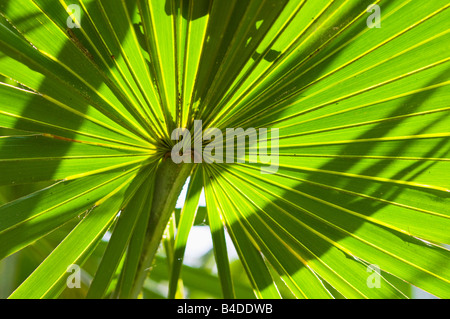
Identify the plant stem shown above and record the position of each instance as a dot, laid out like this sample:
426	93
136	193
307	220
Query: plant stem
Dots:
170	178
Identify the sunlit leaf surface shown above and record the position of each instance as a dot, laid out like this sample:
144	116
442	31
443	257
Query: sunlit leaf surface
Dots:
355	202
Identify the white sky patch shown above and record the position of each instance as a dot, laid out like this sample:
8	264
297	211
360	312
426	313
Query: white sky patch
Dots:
199	240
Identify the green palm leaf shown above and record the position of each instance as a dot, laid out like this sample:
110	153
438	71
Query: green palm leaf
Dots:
361	180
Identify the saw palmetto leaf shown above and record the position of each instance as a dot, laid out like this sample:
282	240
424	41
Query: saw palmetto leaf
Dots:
359	176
